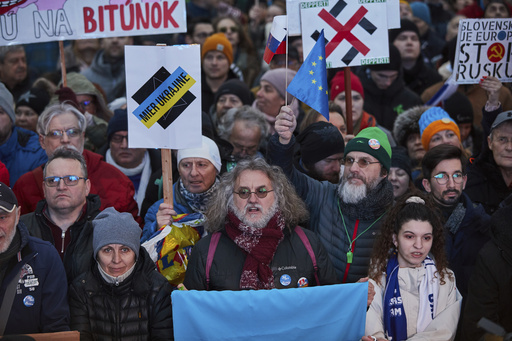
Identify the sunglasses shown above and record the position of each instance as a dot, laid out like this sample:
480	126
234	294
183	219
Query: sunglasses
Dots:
69	180
233	29
245	193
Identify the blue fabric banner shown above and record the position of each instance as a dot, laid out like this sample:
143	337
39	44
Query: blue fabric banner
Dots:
331	312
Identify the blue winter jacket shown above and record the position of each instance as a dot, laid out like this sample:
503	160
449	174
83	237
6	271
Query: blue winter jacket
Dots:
21	153
40	304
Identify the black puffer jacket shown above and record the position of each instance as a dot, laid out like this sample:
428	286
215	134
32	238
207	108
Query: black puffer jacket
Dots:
79	251
138	309
291	258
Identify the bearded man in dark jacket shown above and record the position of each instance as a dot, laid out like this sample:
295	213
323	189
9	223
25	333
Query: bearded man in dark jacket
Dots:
346	216
64	217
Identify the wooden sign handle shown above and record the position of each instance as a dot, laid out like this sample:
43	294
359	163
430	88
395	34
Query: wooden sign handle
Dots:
167	176
348	100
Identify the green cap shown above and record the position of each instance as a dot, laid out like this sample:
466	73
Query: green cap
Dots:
372	141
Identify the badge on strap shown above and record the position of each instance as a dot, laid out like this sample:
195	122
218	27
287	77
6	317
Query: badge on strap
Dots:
349	257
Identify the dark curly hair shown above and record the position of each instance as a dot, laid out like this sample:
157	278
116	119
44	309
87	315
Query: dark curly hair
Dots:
401	213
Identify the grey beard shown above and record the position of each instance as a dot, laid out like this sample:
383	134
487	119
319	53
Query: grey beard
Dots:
262	222
353	194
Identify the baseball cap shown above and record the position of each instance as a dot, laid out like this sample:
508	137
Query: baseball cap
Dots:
8	200
503	117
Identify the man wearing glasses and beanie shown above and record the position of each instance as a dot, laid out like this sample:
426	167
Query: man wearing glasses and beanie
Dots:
466	224
346	216
64	216
63	125
33	287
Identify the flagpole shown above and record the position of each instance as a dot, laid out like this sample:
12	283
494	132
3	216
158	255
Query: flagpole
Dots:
286	62
348	100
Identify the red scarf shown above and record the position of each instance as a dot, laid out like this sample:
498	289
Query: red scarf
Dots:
260	245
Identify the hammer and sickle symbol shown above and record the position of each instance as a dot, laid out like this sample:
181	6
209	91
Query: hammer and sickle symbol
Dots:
497	52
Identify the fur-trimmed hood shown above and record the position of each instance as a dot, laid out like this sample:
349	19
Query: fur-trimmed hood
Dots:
407	124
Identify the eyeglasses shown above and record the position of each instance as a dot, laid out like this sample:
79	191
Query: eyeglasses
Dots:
203	35
245	193
362	163
57	134
233	29
442	178
118	138
69	180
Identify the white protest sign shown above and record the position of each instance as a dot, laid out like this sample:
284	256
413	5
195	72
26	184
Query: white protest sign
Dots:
294	18
484	48
35	21
356	32
163	87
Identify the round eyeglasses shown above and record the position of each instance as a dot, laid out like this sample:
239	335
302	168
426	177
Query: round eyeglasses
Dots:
362	163
245	193
442	178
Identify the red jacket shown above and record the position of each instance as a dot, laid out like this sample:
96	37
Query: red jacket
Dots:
110	184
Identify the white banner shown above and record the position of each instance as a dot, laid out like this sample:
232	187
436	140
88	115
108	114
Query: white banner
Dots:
484	48
35	21
163	87
356	32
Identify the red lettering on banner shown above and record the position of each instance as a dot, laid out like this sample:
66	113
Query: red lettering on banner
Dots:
100	19
156	15
129	26
344	31
111	9
89	22
168	14
140	18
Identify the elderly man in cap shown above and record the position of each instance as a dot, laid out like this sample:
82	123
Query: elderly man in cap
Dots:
33	286
346	216
63	125
321	152
198	169
253	215
490	175
19	148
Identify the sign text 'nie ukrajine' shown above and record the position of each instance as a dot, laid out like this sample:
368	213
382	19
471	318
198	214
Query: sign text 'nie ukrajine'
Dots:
174	88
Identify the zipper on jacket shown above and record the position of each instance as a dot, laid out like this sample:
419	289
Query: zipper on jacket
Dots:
63	238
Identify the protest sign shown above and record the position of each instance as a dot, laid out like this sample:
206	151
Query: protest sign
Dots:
163	86
356	32
330	312
35	21
484	48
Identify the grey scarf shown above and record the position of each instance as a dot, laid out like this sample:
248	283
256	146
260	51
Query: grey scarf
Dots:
453	223
376	202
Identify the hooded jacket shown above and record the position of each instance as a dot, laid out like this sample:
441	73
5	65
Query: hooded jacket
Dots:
111	81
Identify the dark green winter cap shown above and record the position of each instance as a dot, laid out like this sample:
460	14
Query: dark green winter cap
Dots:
372	141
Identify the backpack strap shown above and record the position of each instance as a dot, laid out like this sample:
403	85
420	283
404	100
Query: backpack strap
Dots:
214	241
307	244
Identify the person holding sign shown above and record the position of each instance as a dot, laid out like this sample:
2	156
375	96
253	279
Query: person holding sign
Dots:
416	295
254	238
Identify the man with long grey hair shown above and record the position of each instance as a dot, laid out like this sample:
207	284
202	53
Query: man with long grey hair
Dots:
252	219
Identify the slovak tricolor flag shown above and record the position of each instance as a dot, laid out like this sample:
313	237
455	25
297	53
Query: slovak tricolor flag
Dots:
276	43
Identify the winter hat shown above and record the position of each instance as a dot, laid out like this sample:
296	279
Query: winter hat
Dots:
7	102
218	42
433	121
118	123
279	80
407	123
235	87
208	151
405	26
320	140
372	141
459	108
421	10
113	227
400	159
36	99
8	200
395	61
338	84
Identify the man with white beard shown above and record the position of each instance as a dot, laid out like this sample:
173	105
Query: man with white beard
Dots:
346	216
254	241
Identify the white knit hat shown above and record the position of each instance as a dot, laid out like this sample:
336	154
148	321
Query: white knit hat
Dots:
208	151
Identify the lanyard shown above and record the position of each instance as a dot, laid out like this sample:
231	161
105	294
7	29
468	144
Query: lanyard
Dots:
350	252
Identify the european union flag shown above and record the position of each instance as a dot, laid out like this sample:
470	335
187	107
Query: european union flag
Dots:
310	83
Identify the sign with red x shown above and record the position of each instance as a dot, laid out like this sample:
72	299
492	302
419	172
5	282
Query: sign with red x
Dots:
356	32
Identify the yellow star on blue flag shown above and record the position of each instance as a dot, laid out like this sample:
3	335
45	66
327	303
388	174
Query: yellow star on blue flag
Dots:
310	83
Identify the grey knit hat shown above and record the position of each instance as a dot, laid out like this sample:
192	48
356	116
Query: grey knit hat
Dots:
7	102
112	227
